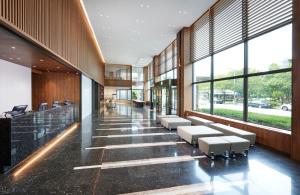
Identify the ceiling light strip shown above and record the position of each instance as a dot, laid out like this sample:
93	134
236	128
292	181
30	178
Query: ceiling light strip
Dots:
92	30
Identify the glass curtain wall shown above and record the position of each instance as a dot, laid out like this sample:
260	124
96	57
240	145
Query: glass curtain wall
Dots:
138	83
168	62
242	62
117	72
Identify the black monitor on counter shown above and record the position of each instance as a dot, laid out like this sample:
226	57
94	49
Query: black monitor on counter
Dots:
17	111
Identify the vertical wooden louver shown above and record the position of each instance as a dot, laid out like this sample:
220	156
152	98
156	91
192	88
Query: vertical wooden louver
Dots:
60	26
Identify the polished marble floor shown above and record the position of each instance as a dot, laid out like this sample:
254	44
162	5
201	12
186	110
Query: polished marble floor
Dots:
124	151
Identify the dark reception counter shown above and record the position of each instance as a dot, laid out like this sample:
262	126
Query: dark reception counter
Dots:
23	135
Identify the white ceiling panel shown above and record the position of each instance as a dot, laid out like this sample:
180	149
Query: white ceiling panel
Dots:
133	31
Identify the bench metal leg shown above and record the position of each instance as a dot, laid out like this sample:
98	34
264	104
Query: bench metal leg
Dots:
246	153
233	155
212	156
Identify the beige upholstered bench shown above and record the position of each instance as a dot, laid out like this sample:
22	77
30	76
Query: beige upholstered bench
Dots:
199	121
237	145
159	117
192	133
213	146
227	130
173	123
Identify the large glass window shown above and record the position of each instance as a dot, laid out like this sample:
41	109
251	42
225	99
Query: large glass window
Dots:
269	102
137	74
202	97
124	94
228	98
117	72
271	51
229	63
268	80
202	70
137	94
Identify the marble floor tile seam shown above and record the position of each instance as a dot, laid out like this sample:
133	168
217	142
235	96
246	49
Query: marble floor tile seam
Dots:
141	162
140	145
133	135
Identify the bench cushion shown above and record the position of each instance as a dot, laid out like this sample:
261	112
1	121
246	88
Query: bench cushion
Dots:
237	144
192	133
159	117
215	145
199	121
227	130
173	123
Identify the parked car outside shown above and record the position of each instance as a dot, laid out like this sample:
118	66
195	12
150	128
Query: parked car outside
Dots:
218	101
259	104
286	107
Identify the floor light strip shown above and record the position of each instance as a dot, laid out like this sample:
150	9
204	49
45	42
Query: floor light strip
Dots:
45	149
135	123
133	135
128	128
141	162
141	145
201	188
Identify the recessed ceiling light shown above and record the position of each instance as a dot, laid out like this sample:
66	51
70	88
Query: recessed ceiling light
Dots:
142	5
13	47
58	67
41	60
34	66
101	15
180	12
18	58
148	6
107	16
11	58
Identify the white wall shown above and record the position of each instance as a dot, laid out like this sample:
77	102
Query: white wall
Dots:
86	96
15	86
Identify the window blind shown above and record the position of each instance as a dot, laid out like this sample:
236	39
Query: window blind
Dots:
227	24
200	47
267	15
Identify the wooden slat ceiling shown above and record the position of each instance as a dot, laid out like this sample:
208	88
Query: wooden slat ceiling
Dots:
17	50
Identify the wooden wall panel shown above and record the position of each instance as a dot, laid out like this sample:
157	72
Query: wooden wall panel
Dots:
61	27
275	139
118	83
50	86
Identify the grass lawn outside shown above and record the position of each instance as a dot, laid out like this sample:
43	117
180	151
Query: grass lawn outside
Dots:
281	122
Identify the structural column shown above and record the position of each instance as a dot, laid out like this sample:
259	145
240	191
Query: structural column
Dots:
184	72
295	147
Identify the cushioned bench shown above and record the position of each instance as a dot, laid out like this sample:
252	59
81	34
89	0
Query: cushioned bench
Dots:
199	121
237	145
159	117
173	123
213	146
227	130
192	133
